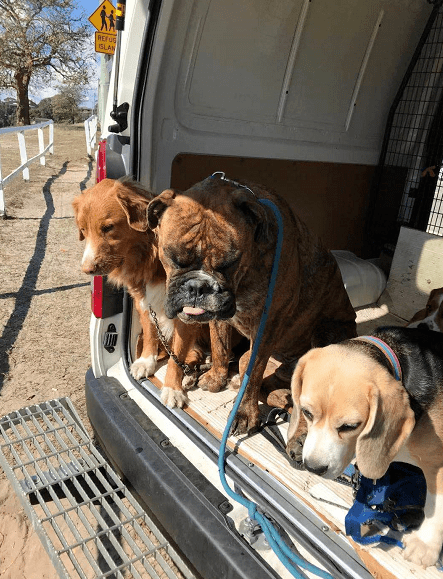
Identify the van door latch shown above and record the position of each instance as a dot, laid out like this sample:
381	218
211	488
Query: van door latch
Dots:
110	338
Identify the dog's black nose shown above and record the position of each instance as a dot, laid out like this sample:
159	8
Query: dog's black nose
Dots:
320	470
197	287
423	326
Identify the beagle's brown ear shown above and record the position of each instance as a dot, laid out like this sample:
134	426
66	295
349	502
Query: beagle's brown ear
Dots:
296	386
158	206
390	422
134	201
76	205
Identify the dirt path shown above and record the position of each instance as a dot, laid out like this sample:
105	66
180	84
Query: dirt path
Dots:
44	314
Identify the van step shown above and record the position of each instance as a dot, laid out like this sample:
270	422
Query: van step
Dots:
87	520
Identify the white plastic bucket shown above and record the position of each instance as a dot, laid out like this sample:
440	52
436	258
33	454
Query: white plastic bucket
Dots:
364	281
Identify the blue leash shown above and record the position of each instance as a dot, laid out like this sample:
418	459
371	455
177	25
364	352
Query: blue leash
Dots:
286	556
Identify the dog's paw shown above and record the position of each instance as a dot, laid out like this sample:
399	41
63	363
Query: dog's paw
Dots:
144	367
189	381
173	398
235	382
211	381
245	422
295	448
420	552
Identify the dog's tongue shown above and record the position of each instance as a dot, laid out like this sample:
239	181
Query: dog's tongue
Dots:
193	311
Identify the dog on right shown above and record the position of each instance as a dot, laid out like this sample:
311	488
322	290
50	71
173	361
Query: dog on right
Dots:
431	316
378	398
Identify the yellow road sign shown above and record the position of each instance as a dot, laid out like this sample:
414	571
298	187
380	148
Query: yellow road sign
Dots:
103	19
105	42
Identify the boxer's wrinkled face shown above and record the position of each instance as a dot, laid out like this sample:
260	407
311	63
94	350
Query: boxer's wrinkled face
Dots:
205	249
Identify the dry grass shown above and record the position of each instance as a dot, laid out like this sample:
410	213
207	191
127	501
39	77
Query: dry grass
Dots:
69	144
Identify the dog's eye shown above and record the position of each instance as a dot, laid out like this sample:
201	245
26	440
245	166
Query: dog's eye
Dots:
348	427
107	228
226	265
180	264
308	415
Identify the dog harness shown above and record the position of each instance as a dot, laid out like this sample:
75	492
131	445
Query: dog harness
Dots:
387	351
392	503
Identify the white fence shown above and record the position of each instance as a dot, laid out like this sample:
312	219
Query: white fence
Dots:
91	133
25	162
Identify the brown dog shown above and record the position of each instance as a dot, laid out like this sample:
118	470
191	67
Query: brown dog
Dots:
431	316
357	402
111	217
217	242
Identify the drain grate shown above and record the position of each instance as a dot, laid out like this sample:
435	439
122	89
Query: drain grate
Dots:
88	521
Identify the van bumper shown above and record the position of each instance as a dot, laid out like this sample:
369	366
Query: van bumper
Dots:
188	507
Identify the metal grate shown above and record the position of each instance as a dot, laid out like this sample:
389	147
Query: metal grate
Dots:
88	521
409	170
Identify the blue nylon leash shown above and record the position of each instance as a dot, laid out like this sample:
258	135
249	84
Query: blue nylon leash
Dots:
286	556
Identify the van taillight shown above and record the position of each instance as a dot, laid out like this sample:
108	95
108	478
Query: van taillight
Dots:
97	296
100	171
106	299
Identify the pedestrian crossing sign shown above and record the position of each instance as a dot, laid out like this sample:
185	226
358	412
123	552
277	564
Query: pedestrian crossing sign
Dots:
103	19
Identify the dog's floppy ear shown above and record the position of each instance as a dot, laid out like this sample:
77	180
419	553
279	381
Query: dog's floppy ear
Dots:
75	204
158	206
296	386
254	213
390	422
134	201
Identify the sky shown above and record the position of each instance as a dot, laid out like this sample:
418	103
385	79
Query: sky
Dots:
89	5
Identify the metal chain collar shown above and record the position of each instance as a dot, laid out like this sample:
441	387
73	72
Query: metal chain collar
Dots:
185	367
222	176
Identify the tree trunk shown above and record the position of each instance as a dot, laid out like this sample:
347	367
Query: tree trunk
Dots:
22	86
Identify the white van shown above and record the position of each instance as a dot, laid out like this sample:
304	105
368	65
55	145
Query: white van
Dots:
295	95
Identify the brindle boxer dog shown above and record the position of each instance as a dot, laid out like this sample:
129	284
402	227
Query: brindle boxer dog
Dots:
216	243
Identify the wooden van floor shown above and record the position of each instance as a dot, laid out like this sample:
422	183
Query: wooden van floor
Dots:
329	499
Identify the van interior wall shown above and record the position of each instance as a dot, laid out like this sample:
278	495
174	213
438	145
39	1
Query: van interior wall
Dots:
331	198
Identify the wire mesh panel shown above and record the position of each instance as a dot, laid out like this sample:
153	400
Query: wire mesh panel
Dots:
409	172
435	222
416	141
88	521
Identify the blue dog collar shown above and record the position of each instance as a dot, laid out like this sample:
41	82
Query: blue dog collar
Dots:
387	351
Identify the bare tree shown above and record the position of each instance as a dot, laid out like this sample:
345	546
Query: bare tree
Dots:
40	40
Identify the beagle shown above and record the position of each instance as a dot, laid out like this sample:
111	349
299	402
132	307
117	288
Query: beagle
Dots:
377	398
431	316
